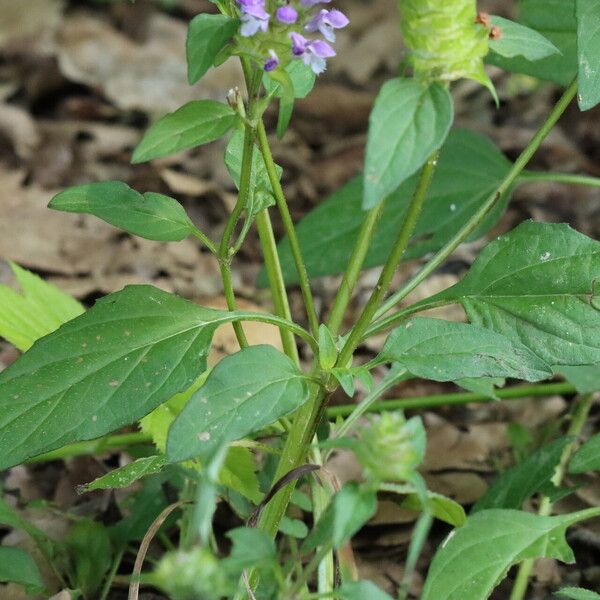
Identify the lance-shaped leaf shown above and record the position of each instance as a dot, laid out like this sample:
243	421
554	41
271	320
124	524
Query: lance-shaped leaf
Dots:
195	123
470	168
588	51
587	458
447	351
243	393
576	593
476	557
409	121
17	566
151	216
207	36
518	40
126	475
535	285
107	368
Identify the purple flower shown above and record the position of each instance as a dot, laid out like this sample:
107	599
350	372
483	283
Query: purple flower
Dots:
254	17
313	2
326	21
287	15
272	62
312	52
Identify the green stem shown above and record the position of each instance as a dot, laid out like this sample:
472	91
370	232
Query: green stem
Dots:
276	282
385	279
290	230
205	240
455	399
225	266
310	568
550	177
580	413
361	247
483	211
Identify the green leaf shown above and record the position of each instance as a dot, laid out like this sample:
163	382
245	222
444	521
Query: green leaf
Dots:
576	593
302	77
475	558
586	378
328	351
207	36
349	510
470	168
588	53
151	216
239	473
518	484
518	40
286	94
105	369
555	20
440	506
89	549
361	590
243	393
126	475
38	310
587	458
17	566
408	122
251	548
195	123
483	385
293	527
534	285
447	351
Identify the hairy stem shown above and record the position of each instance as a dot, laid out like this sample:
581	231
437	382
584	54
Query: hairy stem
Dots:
361	247
290	230
483	211
579	415
385	279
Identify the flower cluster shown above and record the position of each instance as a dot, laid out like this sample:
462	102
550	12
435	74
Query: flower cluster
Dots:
279	31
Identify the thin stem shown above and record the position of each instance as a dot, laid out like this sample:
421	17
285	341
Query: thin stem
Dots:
551	177
310	568
205	240
455	399
276	282
385	279
361	247
225	266
579	415
111	575
483	211
290	230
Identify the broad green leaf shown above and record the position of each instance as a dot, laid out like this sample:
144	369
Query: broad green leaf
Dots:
470	168
105	369
534	286
239	473
126	475
38	310
361	590
587	458
555	20
293	527
586	378
518	40
347	512
576	593
408	122
483	385
207	36
251	548
440	506
17	566
11	518
588	53
286	94
302	76
446	351
516	485
476	557
151	216
195	123
243	393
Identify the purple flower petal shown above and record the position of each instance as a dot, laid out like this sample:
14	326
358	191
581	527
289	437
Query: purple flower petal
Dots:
254	8
313	2
321	49
299	44
326	21
272	62
337	19
251	25
287	15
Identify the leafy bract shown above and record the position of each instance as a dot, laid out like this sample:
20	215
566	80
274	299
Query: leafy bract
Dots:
408	122
587	458
588	51
243	393
195	123
476	557
518	40
17	566
469	169
519	483
38	310
535	285
555	20
107	368
151	216
207	36
446	351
